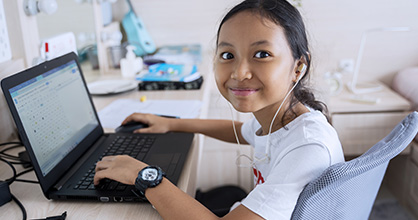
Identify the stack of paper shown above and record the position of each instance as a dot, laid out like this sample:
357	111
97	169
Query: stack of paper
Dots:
113	114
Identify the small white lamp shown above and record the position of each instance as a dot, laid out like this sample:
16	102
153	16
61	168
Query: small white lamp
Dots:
33	7
353	84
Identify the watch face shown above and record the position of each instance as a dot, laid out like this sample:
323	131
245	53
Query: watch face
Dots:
150	174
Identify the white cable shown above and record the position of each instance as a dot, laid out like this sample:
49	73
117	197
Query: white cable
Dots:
233	123
240	154
267	152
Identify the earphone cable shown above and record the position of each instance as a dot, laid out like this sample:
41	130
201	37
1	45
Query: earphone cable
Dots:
240	154
233	124
267	152
274	118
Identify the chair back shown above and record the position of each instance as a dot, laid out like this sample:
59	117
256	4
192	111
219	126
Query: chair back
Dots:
347	190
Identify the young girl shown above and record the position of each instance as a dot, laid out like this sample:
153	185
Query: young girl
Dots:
261	66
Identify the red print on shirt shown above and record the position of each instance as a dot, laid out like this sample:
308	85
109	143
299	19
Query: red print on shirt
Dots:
258	176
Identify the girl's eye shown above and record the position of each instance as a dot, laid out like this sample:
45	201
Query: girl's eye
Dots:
227	56
261	54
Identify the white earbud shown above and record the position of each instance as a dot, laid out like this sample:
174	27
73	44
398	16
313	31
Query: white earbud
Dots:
301	70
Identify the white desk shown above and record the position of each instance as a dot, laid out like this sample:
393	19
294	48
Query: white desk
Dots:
361	125
37	206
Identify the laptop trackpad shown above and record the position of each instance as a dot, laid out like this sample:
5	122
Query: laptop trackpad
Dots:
162	160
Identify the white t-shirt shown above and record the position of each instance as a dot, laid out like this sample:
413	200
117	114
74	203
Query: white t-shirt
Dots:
298	155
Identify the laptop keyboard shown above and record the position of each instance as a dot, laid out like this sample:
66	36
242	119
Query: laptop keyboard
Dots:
136	147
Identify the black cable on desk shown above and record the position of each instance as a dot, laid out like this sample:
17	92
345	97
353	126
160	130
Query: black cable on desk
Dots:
10	143
15	160
9	156
15	145
9	182
24	172
25	181
12	179
18	160
12	158
20	206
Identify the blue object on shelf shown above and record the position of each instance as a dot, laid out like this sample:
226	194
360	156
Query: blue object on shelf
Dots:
170	72
137	34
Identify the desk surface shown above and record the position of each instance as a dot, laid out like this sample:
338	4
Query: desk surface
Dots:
389	101
37	206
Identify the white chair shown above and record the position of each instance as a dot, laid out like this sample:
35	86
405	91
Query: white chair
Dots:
348	190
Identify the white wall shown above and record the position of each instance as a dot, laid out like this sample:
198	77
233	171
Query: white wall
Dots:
334	28
179	21
69	17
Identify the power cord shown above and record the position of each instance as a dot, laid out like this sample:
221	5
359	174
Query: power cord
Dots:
21	159
7	192
23	180
5	185
9	181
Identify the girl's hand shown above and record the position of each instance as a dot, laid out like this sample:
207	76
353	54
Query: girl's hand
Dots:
121	168
156	124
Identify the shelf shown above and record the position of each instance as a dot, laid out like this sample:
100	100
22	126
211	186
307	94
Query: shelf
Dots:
389	101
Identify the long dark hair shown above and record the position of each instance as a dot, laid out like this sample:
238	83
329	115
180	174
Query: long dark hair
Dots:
288	17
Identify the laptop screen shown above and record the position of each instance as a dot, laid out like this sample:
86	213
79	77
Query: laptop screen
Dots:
47	106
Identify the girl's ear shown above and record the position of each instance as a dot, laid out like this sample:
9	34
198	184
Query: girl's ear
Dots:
300	68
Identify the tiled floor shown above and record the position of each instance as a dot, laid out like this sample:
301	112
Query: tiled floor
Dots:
386	195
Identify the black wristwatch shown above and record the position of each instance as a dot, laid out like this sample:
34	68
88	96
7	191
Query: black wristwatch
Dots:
148	177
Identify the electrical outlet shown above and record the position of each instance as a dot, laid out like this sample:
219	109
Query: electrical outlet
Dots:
346	65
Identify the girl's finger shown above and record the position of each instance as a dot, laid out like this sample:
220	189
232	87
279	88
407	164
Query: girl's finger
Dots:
102	165
108	158
99	176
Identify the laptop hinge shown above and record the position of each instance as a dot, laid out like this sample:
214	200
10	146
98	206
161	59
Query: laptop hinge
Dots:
79	163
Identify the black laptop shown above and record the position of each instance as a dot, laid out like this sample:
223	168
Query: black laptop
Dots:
59	126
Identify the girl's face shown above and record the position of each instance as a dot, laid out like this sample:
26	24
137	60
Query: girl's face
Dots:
254	66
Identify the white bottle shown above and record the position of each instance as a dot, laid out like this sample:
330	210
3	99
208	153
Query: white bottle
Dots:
130	65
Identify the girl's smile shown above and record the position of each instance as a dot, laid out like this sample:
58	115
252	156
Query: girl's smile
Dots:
243	91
